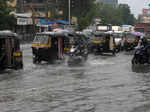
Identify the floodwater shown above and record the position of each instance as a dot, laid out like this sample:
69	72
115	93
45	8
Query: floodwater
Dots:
103	84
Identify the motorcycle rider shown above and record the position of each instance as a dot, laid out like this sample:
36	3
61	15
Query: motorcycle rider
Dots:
145	44
80	46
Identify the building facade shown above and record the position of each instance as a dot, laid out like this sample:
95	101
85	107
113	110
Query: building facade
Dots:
109	2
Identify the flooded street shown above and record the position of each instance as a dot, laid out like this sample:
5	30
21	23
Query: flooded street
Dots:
103	84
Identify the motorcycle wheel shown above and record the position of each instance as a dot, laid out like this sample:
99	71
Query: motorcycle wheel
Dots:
134	61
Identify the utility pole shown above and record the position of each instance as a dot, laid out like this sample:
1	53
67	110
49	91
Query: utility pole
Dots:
69	11
46	9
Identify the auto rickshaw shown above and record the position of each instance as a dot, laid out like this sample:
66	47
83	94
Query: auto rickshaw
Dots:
131	41
109	45
48	46
97	42
119	40
105	43
10	53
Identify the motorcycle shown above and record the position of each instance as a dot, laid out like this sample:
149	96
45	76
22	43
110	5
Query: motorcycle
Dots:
77	56
142	55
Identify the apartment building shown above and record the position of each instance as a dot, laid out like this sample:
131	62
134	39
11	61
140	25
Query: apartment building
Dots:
109	2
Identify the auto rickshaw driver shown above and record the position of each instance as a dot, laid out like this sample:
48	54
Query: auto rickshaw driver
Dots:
2	53
107	42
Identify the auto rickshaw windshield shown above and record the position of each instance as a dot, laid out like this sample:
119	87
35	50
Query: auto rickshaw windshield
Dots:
117	35
41	39
98	37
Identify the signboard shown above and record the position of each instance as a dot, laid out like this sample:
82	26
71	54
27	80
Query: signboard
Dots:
146	11
102	28
116	28
12	3
146	19
24	21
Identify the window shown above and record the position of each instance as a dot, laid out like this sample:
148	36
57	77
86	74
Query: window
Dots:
148	30
139	30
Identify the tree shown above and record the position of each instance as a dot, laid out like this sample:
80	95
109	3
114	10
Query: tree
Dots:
82	23
7	21
126	15
86	12
82	9
115	15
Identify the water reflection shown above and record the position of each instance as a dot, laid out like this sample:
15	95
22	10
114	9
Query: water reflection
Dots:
143	87
78	73
141	68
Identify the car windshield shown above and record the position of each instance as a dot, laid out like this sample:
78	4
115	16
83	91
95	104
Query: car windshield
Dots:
41	39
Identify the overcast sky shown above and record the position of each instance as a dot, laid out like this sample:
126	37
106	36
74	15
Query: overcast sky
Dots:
136	5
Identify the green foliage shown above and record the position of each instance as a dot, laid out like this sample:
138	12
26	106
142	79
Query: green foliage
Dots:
7	21
87	10
85	13
115	15
82	23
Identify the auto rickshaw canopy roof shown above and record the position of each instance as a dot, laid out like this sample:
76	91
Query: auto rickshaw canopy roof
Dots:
54	34
99	33
8	34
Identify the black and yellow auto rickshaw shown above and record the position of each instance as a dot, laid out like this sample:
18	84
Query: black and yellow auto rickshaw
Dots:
104	43
97	42
109	45
10	53
131	41
48	46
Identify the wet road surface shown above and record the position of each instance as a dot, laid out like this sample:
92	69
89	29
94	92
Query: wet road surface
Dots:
103	84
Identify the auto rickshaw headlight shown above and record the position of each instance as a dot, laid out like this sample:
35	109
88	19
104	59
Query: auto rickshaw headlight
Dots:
17	54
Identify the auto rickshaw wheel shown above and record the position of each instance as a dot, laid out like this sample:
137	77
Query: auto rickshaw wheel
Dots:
114	52
118	49
2	68
35	60
39	60
19	66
